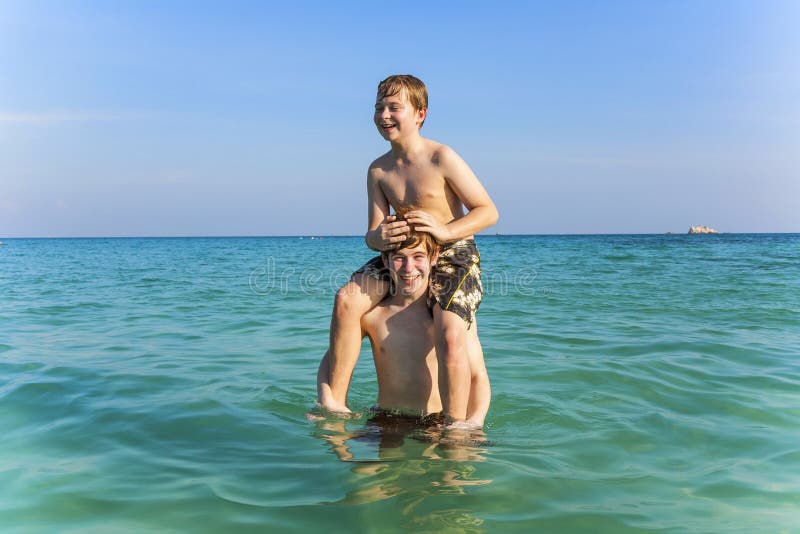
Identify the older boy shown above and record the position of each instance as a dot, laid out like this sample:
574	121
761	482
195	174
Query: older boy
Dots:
431	176
401	331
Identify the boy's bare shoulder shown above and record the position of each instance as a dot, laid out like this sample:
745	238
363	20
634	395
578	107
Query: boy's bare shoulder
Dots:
442	155
380	165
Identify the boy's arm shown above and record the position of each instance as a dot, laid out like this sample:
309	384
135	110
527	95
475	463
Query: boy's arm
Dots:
482	212
329	398
480	393
325	397
384	231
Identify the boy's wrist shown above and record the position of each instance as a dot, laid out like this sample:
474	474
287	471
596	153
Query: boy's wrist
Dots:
327	401
332	406
368	239
449	234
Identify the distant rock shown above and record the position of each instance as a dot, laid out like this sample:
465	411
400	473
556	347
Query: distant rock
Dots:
700	229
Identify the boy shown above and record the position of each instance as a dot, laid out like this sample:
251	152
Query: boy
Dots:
400	329
421	172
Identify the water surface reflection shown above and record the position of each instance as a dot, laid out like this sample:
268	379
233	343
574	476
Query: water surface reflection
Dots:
414	464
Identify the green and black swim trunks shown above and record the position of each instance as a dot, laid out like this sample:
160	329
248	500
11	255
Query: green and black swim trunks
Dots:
456	279
455	282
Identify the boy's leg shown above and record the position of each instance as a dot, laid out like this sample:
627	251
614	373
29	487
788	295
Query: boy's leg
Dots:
451	354
456	293
353	300
480	392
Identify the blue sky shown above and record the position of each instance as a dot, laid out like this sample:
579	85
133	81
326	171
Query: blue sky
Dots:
155	118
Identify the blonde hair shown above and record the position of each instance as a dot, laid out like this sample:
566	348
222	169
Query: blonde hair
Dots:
413	87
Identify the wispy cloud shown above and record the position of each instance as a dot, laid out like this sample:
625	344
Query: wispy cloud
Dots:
65	116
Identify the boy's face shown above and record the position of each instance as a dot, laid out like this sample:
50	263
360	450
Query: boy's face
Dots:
395	117
410	269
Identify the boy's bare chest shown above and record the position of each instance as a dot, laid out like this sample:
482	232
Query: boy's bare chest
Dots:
421	186
409	334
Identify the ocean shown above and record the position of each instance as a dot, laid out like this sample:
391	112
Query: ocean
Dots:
641	383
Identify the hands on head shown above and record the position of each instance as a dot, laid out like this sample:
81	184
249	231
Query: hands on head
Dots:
392	232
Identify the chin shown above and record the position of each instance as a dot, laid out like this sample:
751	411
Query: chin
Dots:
410	291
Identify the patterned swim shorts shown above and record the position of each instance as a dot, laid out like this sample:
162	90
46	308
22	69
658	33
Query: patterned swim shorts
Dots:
455	279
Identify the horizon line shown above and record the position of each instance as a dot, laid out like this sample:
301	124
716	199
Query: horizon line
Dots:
319	236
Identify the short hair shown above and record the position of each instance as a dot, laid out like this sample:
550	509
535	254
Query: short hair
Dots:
414	88
414	238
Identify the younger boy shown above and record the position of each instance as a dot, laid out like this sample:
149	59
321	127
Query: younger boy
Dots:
423	173
401	331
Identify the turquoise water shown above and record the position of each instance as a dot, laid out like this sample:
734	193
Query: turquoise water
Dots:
640	383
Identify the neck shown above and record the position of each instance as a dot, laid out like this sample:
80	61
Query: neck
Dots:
403	148
404	301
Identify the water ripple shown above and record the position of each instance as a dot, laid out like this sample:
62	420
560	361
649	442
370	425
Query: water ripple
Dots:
640	383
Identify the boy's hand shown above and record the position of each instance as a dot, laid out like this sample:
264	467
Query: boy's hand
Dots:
425	222
321	413
391	233
326	408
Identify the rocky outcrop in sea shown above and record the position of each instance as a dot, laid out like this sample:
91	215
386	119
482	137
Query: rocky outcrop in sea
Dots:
701	229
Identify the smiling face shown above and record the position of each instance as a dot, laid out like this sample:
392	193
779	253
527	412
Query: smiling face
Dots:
395	117
410	269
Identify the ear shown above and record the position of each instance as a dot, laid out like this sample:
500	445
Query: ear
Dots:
422	114
435	256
